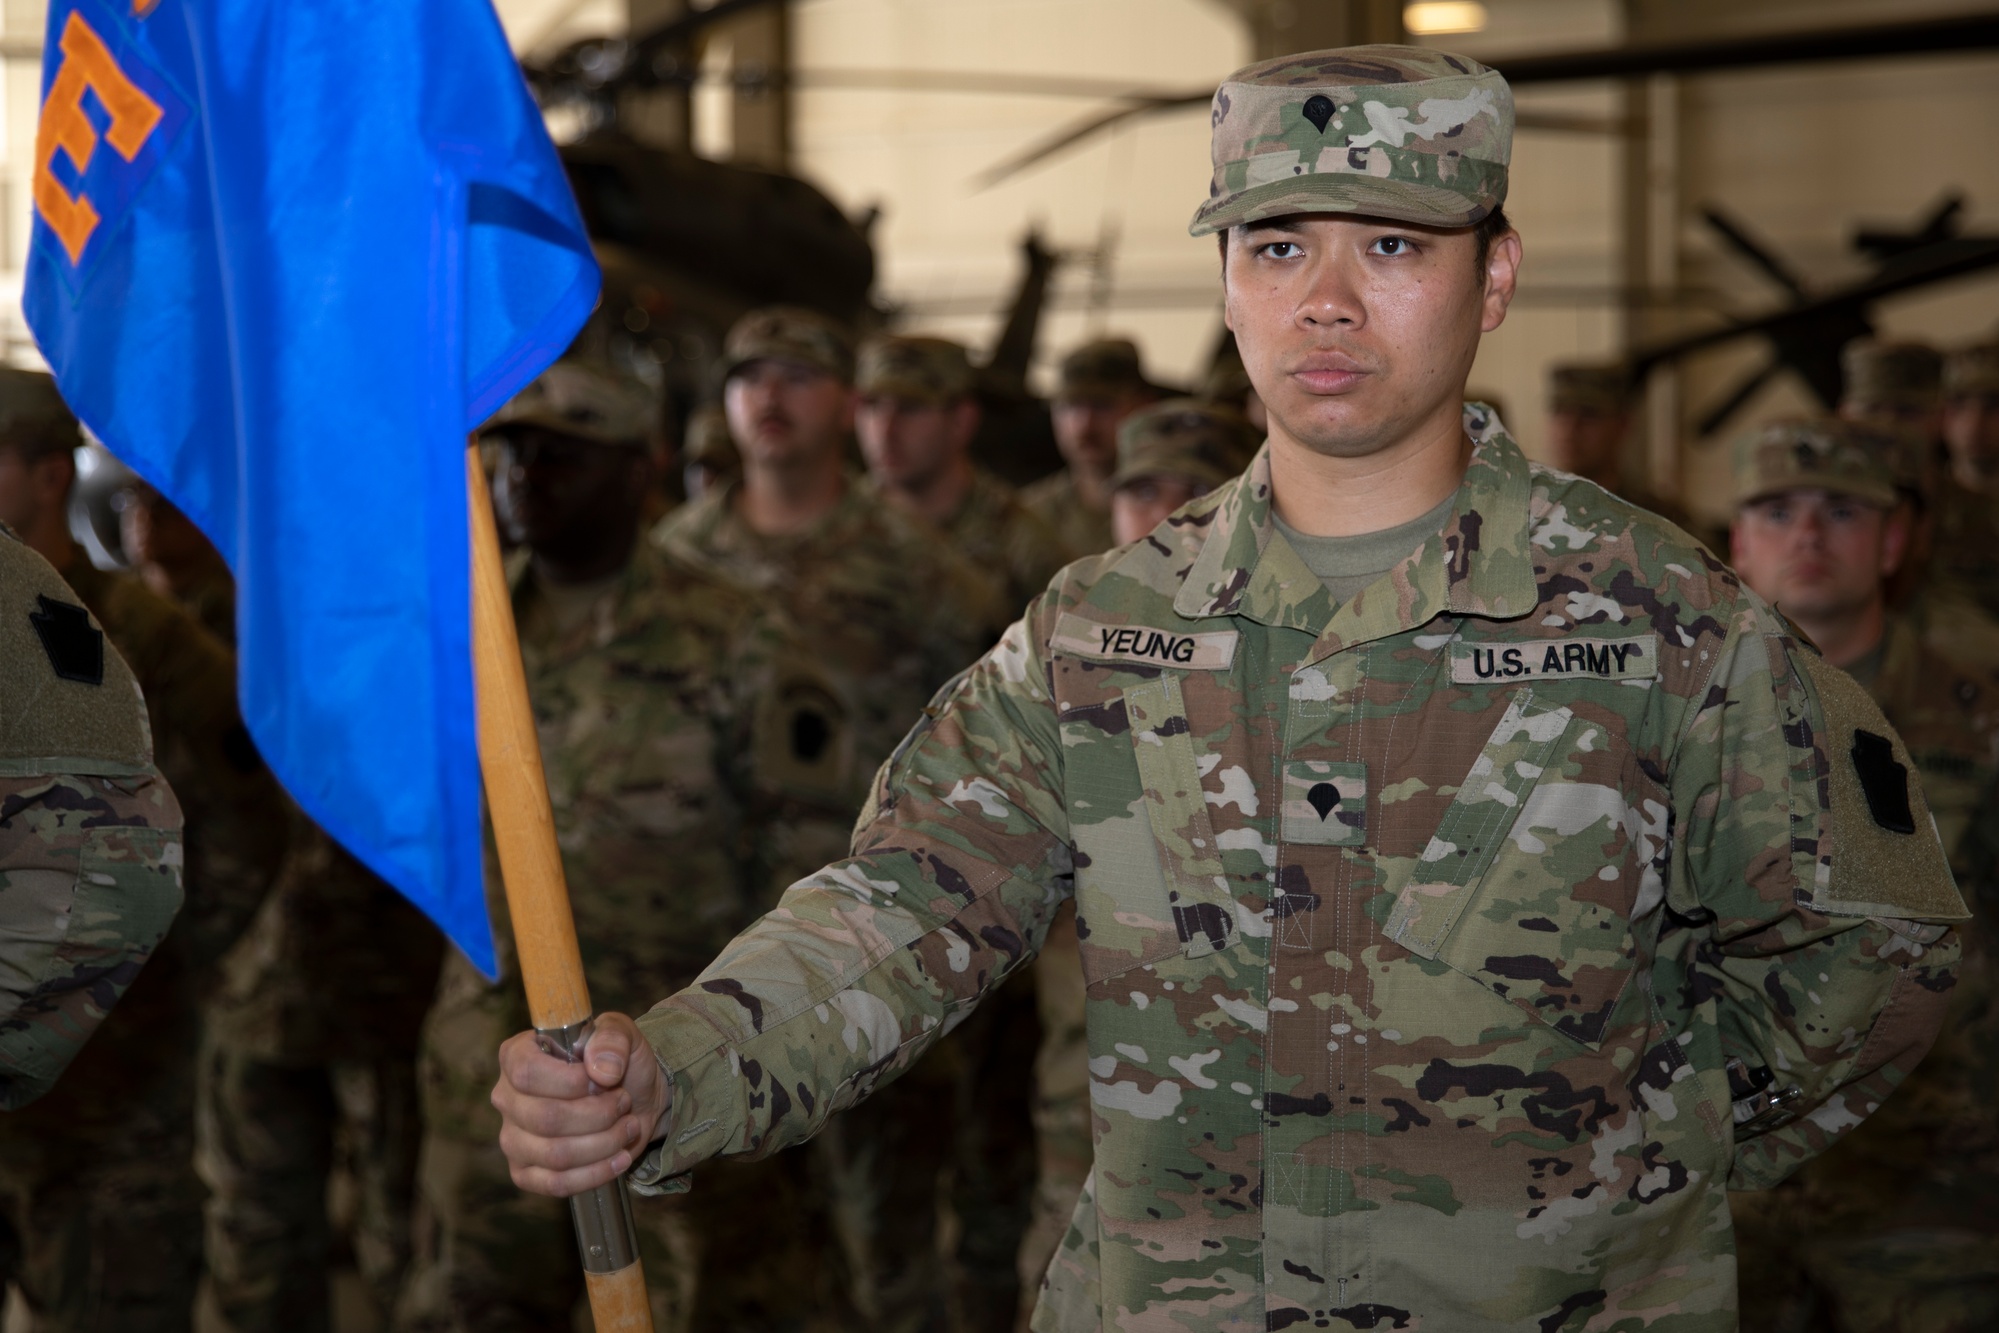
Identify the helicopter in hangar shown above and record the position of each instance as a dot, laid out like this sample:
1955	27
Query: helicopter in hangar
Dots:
688	244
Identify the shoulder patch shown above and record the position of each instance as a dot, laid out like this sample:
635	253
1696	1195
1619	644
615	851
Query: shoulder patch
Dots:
1574	656
1212	651
1880	850
68	702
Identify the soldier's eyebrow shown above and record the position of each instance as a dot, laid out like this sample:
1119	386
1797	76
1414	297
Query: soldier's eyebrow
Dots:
1269	226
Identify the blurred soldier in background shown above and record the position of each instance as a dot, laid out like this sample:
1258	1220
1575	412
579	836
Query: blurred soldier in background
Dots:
1589	418
1895	386
1170	453
916	421
310	1064
1897	1227
708	455
891	612
665	702
103	1167
886	607
1100	384
1896	390
90	849
1167	454
1589	433
175	559
1967	520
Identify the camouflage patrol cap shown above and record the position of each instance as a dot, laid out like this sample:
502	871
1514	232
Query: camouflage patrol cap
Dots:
584	401
1891	374
33	417
1394	132
930	370
1589	387
1107	365
707	440
789	333
1183	437
1821	453
1971	370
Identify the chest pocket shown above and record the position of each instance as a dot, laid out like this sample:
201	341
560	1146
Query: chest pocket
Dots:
1529	882
1153	886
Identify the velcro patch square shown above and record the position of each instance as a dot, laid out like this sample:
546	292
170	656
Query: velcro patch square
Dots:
1325	804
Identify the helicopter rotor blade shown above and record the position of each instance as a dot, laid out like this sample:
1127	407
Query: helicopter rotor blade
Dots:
1755	252
1954	35
1078	130
1715	417
1938	263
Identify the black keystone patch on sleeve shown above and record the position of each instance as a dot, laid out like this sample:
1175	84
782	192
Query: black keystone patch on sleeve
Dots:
1885	782
74	645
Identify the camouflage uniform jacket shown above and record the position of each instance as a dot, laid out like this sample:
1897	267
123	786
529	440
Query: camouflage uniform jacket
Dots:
1930	1156
1418	934
1005	541
887	609
666	721
90	847
1082	530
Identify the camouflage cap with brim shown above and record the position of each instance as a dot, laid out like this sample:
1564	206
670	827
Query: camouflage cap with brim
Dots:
1971	370
1891	374
1183	437
1396	132
1589	388
1820	454
788	333
584	402
33	416
1102	366
928	370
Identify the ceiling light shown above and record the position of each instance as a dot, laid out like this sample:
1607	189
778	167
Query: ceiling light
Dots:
1428	17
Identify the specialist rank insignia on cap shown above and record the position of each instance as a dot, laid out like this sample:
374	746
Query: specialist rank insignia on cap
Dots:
1397	132
1632	658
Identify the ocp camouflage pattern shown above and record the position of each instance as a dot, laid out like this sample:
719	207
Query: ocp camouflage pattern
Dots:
885	608
667	716
1399	132
1897	1226
1466	1073
90	836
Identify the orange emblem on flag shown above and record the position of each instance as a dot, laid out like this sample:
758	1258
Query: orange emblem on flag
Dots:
87	66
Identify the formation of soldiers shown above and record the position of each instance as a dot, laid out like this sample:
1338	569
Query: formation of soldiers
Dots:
302	1071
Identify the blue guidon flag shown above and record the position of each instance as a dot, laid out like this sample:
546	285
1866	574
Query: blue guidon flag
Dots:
285	256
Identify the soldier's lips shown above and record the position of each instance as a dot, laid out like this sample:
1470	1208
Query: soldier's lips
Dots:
1326	372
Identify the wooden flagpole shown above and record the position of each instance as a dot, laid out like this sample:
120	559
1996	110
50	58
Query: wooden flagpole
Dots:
538	900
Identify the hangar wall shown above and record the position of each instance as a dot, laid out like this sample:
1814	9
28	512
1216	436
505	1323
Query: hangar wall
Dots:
1616	249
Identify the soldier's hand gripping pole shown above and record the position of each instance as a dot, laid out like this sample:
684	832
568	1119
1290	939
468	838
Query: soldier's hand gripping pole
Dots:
538	902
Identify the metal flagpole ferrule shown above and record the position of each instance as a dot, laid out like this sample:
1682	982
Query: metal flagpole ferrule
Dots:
604	1233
